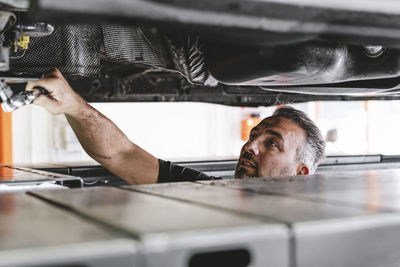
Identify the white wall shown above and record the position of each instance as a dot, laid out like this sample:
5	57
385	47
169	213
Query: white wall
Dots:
174	131
179	131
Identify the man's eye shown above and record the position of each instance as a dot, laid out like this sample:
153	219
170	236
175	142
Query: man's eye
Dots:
251	137
271	143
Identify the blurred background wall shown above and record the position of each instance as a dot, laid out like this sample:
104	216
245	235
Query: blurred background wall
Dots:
189	131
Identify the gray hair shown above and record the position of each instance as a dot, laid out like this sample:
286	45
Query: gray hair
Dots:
312	151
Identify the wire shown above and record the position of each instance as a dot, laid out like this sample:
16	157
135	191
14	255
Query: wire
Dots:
20	56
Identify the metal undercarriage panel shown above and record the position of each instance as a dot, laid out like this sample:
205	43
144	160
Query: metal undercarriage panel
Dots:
243	53
271	22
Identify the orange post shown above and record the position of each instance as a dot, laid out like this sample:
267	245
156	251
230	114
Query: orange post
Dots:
5	137
248	124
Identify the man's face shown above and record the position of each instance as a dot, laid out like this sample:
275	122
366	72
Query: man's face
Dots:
271	149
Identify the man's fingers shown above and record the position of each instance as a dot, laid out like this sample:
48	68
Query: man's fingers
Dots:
46	102
32	84
40	100
45	83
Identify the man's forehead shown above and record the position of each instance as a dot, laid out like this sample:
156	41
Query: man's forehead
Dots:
279	124
268	122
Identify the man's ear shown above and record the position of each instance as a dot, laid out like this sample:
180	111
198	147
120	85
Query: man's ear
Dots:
302	170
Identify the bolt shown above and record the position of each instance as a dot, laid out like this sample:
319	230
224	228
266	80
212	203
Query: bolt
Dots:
374	51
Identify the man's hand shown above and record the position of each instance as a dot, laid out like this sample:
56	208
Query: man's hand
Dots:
61	99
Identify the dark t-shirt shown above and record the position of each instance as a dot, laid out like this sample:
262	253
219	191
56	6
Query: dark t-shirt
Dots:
170	172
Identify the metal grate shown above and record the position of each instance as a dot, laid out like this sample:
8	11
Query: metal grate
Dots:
78	50
74	49
132	45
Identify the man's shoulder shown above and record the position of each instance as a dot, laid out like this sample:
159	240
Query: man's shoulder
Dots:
170	172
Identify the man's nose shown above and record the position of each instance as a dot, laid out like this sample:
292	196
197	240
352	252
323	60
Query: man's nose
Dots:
252	147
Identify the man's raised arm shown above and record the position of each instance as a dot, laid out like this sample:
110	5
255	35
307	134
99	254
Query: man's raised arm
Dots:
99	136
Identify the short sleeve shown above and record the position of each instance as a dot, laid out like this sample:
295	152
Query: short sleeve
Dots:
169	172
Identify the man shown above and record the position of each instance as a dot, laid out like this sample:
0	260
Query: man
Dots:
287	143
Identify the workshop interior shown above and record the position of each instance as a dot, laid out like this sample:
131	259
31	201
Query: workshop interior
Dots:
187	81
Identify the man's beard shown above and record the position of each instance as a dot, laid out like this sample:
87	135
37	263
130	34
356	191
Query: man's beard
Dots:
241	172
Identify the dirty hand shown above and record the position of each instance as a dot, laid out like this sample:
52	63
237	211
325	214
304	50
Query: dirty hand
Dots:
61	99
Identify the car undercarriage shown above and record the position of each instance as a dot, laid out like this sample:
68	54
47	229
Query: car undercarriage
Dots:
257	53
